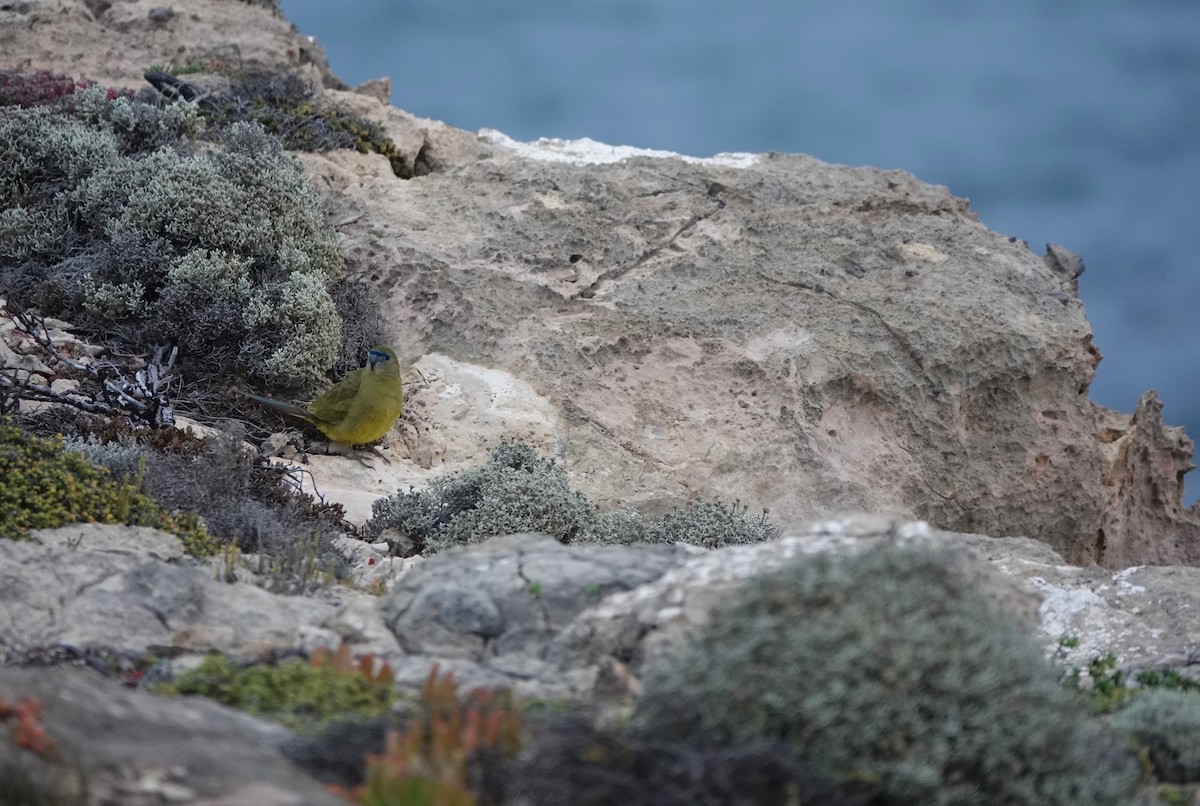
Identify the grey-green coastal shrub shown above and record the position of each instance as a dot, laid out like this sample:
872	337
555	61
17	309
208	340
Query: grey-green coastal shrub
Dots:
712	524
1167	724
517	490
222	249
887	670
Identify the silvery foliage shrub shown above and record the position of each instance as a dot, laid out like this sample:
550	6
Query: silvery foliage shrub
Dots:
887	669
517	490
1167	724
111	217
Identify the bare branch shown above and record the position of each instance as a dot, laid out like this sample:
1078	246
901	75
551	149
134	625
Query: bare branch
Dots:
140	397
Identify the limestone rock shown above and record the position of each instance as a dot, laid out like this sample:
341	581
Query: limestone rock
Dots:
806	337
105	592
498	606
1145	519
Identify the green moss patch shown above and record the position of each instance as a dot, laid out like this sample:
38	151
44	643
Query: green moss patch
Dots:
302	695
42	486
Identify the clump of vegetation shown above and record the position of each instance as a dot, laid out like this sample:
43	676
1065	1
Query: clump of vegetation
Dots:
302	695
1167	724
887	670
1106	688
1109	687
286	107
243	499
111	218
283	105
436	759
517	490
43	87
44	487
711	524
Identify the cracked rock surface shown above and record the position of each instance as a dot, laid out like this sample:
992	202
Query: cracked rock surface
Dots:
808	338
500	605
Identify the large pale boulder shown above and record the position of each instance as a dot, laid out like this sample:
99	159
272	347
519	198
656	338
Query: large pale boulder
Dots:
806	337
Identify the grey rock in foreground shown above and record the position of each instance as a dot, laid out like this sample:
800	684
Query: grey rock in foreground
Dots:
1144	615
548	620
116	587
498	607
478	610
116	745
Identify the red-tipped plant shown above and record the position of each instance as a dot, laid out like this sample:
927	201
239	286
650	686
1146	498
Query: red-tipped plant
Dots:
27	731
342	661
427	764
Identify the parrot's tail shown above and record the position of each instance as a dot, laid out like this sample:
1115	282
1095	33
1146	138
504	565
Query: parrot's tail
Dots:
286	408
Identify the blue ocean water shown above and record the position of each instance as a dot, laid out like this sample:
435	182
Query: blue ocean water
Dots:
1073	122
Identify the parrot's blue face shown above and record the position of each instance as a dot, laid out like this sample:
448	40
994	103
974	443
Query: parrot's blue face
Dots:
377	357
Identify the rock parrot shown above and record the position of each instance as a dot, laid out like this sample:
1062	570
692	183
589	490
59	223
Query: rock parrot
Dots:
358	409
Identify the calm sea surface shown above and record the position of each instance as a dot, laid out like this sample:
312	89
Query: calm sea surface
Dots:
1072	122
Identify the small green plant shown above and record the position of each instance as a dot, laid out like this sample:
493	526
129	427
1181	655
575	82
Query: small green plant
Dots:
711	524
1170	795
43	486
301	695
1109	687
535	588
190	67
230	557
1170	680
428	764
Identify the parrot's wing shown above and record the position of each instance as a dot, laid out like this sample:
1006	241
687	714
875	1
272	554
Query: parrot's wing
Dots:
333	405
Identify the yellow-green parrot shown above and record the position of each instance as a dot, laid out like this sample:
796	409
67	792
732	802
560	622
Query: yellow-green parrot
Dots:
358	409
